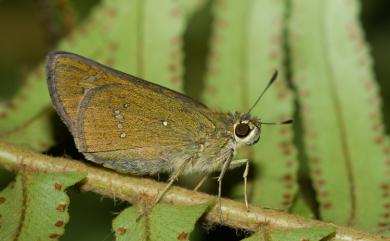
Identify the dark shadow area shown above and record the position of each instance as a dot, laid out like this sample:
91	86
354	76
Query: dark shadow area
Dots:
196	48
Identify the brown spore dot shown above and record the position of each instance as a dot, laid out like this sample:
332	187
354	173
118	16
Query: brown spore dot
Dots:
314	160
57	186
109	62
59	223
53	236
284	144
382	225
368	85
121	231
373	100
182	236
286	203
323	193
175	79
176	12
287	177
273	55
313	147
378	139
276	38
217	38
111	12
211	90
311	134
388	162
213	55
173	67
82	30
304	93
175	54
44	146
282	94
362	62
376	127
326	205
22	97
387	206
286	195
213	71
289	163
287	151
12	106
320	182
386	215
2	200
222	23
61	207
317	171
175	40
113	46
284	130
385	186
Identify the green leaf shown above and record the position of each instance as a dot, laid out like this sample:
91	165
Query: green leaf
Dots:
344	136
164	222
26	119
35	206
307	234
245	52
137	37
37	133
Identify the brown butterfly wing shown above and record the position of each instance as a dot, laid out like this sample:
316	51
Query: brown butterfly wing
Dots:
119	117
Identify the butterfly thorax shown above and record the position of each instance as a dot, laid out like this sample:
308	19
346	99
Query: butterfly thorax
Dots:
231	132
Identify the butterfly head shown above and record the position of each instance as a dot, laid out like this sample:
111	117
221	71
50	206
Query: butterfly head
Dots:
246	129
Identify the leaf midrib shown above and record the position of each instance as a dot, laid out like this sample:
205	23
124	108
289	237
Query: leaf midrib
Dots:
24	207
338	108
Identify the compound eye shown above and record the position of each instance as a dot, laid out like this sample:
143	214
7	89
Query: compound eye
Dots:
242	130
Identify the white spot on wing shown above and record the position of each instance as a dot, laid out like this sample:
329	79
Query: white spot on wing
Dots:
119	117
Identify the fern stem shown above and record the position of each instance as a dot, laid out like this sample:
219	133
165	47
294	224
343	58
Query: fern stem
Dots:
137	189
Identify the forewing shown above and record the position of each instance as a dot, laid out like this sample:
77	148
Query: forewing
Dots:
107	110
69	77
118	117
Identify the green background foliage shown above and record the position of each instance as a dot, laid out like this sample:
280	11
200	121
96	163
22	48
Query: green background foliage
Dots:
336	156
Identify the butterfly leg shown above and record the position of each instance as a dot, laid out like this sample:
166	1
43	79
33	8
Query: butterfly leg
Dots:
172	179
237	163
245	176
200	183
225	166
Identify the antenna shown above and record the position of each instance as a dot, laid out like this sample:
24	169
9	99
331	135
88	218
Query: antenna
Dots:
273	78
278	122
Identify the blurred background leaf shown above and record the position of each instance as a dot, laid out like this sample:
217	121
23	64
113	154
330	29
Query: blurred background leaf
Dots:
344	133
246	49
